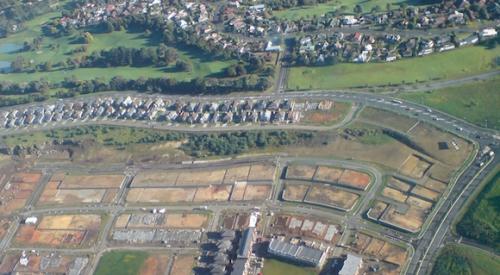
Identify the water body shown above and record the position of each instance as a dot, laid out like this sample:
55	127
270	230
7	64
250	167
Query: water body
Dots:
8	48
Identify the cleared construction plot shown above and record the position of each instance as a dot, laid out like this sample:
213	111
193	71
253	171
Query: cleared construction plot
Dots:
399	184
394	194
328	174
305	227
44	263
295	192
415	166
183	265
425	193
16	192
300	172
204	177
4	226
331	197
332	175
435	185
257	192
60	231
81	189
160	195
213	193
183	220
392	257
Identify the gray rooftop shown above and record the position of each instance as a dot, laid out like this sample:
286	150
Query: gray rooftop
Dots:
296	252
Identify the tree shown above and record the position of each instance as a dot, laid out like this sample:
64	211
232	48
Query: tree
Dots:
108	27
358	9
183	66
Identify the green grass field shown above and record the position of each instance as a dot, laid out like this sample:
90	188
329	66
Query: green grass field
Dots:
461	260
320	9
475	102
275	267
449	65
121	262
481	222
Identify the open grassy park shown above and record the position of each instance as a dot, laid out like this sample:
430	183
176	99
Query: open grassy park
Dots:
275	267
475	102
448	65
457	259
121	262
56	49
347	6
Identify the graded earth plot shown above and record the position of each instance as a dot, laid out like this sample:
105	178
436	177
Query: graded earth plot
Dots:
23	262
133	262
174	229
390	258
60	231
308	228
415	166
320	194
16	192
405	204
81	189
390	119
202	177
408	217
236	221
4	226
332	175
330	196
183	265
159	220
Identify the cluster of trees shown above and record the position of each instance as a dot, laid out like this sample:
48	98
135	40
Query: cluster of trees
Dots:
122	56
481	221
14	88
15	12
168	85
286	4
239	142
450	262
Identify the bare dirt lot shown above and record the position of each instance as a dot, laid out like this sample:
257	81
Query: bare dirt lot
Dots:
355	179
200	177
262	172
155	179
183	265
213	193
257	192
15	193
239	173
394	194
420	203
164	195
399	184
425	193
377	210
60	264
154	265
238	191
435	185
411	220
295	192
186	221
415	167
300	172
64	222
331	196
91	181
328	174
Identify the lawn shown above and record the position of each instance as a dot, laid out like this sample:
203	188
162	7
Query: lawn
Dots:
121	262
275	267
461	260
297	13
475	102
481	222
449	65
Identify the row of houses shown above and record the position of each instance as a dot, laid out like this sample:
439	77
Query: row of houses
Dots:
258	20
360	47
162	110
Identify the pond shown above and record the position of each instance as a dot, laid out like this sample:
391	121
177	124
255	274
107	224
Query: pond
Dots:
10	47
